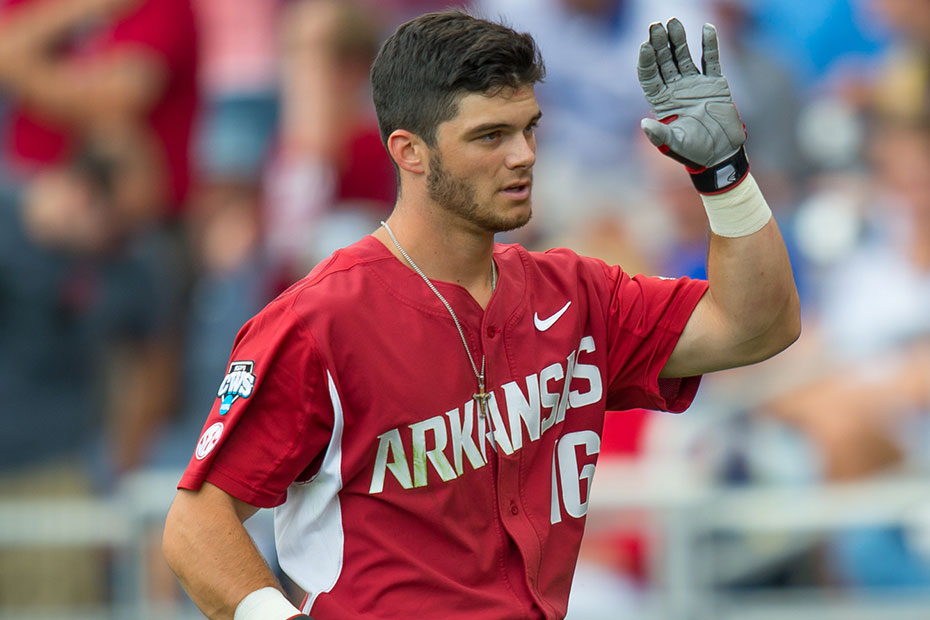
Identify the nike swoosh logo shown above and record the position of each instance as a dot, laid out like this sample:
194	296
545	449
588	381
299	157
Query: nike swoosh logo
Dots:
544	324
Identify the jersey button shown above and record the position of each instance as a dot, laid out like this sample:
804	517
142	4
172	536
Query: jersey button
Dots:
492	331
513	508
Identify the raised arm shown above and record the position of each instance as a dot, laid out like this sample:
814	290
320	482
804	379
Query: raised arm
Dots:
113	88
751	309
213	556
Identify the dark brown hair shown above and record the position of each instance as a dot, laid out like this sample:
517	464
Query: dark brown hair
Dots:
429	62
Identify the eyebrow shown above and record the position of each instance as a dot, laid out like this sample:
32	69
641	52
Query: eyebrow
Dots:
488	127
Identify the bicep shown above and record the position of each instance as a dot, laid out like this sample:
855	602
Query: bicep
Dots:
212	502
702	346
713	340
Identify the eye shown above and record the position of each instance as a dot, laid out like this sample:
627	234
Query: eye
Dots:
531	128
490	137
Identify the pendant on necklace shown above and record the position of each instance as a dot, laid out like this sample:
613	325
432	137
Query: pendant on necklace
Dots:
481	397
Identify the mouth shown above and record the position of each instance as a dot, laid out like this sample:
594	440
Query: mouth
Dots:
518	190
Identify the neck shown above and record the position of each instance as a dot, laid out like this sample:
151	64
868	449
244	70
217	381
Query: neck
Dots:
444	253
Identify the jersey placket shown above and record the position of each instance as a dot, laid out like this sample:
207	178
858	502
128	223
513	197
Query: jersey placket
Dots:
505	462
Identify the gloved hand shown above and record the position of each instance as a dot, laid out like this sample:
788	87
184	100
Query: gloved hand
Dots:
698	123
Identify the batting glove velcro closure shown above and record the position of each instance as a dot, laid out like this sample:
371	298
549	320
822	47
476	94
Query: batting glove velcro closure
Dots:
721	177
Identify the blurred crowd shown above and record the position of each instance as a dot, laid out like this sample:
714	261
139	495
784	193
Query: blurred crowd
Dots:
168	166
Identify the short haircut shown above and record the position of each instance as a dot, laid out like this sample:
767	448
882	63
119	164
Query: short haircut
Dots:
424	68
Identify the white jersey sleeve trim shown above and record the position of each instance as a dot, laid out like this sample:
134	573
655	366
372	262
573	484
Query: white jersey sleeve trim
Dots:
309	535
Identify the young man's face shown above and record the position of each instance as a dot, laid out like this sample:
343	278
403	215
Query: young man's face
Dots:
481	168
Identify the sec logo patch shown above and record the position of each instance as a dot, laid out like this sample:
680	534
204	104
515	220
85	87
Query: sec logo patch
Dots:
208	441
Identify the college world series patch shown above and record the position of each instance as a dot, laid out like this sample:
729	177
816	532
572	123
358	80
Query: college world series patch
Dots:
238	382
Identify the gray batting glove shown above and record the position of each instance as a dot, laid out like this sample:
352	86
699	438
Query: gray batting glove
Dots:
698	123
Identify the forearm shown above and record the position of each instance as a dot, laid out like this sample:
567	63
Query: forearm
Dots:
112	91
751	288
33	27
212	554
881	386
751	310
312	114
316	106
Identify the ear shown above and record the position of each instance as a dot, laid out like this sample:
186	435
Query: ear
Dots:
408	151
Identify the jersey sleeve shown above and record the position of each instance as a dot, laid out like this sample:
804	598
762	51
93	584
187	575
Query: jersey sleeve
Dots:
646	316
272	418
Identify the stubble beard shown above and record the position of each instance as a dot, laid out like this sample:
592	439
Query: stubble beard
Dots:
457	196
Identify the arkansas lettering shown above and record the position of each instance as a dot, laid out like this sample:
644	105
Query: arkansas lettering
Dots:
517	411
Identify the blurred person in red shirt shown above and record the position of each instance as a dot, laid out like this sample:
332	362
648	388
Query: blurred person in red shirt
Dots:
92	75
73	67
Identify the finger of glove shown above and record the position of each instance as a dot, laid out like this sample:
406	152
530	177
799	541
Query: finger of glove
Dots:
658	37
676	34
710	59
648	71
658	133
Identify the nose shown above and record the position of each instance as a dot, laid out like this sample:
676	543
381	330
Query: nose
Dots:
523	153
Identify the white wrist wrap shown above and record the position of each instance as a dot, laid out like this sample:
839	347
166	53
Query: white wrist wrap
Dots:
738	212
265	604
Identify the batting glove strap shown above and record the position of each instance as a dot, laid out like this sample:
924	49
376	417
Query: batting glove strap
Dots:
721	177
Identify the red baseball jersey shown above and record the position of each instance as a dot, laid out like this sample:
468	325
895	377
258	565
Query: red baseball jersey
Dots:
348	406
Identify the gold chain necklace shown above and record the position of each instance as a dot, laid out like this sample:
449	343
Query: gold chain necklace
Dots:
481	397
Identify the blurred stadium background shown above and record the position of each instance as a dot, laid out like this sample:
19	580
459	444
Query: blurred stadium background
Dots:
170	165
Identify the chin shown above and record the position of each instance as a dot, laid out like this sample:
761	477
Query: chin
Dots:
516	220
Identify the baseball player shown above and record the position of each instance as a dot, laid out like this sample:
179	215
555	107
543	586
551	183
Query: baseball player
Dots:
423	410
